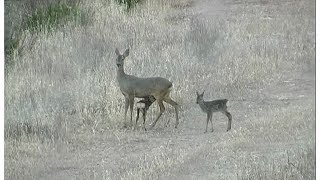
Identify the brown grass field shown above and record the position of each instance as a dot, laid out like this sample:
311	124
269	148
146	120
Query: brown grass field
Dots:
64	110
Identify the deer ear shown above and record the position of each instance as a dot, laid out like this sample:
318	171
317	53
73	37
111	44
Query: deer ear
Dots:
197	93
202	93
117	52
126	53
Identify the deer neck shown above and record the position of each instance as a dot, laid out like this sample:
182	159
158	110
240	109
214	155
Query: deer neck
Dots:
120	72
203	106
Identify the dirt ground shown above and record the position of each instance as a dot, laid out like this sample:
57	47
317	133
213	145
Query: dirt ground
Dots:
187	152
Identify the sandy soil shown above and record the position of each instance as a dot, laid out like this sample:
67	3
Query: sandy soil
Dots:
187	152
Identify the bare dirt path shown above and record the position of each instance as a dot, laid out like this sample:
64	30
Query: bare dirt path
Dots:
188	153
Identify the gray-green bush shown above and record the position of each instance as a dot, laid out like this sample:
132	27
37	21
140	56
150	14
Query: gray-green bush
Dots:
37	17
129	3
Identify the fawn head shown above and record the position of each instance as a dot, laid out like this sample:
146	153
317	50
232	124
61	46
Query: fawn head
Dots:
199	97
121	57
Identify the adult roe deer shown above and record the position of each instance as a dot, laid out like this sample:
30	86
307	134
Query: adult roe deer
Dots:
132	86
210	107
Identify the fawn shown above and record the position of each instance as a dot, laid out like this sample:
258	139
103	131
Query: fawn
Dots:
210	107
143	105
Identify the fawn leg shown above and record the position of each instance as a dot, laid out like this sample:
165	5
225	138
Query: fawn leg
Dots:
211	122
208	117
229	119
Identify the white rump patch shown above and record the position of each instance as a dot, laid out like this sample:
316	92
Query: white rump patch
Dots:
228	103
140	105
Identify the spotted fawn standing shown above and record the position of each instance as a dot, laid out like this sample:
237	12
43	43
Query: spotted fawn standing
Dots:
210	107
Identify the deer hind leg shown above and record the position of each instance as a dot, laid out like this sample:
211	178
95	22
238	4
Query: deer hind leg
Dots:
229	119
167	123
144	112
160	102
138	113
176	106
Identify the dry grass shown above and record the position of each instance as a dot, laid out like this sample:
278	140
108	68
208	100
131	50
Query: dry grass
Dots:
62	93
301	167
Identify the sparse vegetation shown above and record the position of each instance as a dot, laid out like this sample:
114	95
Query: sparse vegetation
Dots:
64	111
301	167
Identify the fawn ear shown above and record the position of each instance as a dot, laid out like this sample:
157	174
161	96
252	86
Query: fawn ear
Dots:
117	52
126	53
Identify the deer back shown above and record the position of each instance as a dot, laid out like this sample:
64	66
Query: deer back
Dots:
142	87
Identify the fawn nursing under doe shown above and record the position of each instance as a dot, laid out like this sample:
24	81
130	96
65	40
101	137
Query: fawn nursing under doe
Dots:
132	86
143	105
210	107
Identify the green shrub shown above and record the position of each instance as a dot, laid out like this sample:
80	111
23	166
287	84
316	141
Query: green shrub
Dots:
52	17
28	130
129	3
12	45
44	18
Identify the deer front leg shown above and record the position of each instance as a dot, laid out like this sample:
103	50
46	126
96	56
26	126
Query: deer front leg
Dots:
229	119
211	122
126	106
131	102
